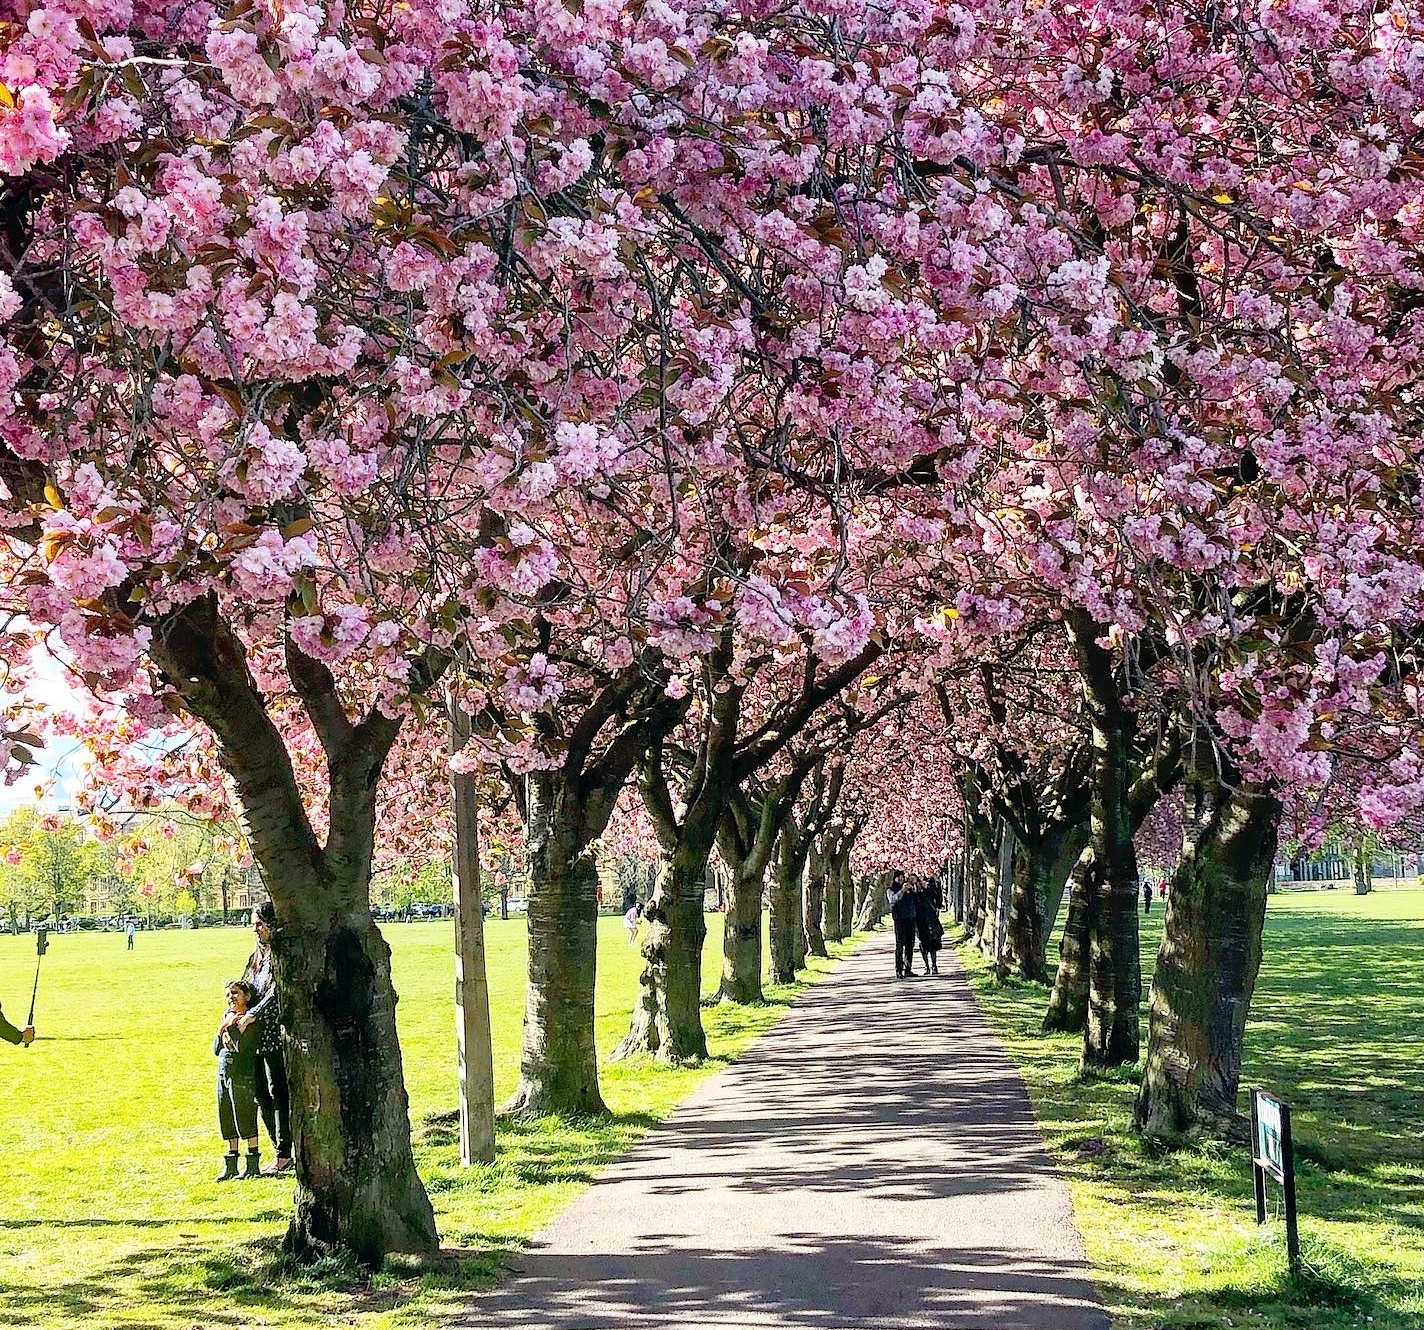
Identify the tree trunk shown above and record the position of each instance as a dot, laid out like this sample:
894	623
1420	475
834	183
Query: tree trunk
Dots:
1364	875
357	1186
1111	1036
1068	1005
1210	956
825	868
815	915
798	912
846	878
1040	871
872	906
859	890
667	1021
784	894
741	934
558	1066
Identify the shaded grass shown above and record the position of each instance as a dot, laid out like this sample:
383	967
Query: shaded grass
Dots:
108	1139
1335	1030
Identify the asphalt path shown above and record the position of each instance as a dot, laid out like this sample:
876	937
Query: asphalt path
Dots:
872	1161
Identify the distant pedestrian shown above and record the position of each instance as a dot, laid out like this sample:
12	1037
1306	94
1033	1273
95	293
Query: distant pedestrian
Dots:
631	921
129	932
1147	897
928	928
1162	888
902	911
236	1048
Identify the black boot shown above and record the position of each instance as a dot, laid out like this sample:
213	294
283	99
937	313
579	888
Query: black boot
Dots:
253	1168
229	1168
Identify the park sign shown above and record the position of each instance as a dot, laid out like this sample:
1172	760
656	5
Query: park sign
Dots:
1272	1155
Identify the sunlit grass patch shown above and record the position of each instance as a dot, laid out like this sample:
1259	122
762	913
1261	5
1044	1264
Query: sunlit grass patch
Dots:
1335	1031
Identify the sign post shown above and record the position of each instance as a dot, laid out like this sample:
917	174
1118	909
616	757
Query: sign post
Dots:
1272	1153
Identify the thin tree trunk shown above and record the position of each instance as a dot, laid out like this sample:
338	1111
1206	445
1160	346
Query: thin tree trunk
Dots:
1210	956
357	1187
667	1021
822	866
798	910
1364	875
846	878
558	1067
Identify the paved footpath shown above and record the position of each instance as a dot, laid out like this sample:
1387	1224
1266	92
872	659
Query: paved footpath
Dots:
872	1161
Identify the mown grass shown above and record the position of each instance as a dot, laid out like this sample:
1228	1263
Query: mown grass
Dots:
1336	1031
108	1140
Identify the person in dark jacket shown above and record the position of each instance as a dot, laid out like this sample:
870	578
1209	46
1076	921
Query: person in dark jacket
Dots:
928	928
273	1097
236	1048
11	1035
902	912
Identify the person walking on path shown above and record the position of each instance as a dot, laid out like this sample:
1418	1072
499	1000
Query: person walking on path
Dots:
265	1014
129	932
236	1048
928	928
1147	897
11	1035
902	911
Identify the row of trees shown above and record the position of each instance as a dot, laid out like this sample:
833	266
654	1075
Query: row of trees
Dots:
863	432
54	864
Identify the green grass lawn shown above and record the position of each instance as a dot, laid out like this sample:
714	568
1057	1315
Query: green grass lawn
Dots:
108	1137
1336	1031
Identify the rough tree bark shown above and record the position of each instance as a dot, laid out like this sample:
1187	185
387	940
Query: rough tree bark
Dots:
843	875
720	763
1112	1035
667	1020
356	1184
558	1063
564	811
759	817
1068	1003
872	906
1041	869
1211	953
741	931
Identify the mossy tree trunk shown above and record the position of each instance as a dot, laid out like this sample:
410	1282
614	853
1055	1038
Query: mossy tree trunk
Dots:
1211	951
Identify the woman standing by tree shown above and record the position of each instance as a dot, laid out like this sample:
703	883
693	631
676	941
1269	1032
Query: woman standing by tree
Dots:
265	1012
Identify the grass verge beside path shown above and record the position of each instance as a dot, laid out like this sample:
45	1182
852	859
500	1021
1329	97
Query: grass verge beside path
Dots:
1336	1031
109	1217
